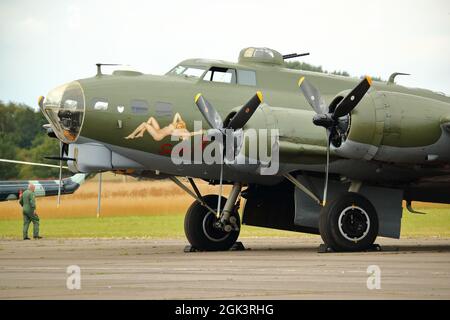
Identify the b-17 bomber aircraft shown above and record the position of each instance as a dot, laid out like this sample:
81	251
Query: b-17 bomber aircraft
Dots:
308	152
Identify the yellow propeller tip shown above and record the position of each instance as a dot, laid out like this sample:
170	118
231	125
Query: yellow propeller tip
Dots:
40	100
197	97
260	96
300	81
369	80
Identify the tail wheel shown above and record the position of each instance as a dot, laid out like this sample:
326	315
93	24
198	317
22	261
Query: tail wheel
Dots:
349	223
201	229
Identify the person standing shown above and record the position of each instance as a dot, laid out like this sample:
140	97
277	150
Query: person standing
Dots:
28	203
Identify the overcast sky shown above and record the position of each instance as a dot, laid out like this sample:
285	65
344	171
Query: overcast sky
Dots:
47	43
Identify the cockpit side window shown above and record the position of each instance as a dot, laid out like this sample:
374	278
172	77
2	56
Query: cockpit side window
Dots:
177	70
246	77
194	72
222	75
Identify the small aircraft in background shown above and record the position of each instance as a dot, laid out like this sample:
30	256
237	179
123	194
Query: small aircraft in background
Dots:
309	152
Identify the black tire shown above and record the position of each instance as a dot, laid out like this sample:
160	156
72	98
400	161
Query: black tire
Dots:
349	223
199	227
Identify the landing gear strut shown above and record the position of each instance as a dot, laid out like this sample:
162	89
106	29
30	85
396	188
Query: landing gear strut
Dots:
207	229
349	223
207	232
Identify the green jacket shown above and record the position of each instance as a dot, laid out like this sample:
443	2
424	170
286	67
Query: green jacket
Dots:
28	202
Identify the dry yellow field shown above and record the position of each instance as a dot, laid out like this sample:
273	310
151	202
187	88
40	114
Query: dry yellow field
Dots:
125	198
119	198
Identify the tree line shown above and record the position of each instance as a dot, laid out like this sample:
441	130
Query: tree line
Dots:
23	138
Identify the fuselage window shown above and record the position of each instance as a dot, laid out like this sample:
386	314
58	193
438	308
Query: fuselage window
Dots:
139	106
163	109
246	77
100	104
223	75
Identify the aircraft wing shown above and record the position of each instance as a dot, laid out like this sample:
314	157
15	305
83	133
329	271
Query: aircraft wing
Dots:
10	190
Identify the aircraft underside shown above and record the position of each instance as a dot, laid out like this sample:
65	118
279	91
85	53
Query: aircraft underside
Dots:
291	200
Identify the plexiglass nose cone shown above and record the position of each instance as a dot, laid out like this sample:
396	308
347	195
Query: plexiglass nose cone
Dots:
64	107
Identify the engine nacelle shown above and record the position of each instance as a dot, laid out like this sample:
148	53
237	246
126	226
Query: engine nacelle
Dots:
395	127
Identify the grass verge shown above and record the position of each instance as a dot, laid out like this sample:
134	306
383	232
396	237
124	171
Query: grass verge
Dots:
434	224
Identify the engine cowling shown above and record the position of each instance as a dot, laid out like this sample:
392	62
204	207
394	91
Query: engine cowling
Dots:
393	127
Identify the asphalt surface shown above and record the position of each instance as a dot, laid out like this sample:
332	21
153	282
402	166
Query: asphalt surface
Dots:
286	268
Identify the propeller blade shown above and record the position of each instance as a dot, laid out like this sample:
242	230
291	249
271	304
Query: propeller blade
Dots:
212	117
313	96
244	114
353	98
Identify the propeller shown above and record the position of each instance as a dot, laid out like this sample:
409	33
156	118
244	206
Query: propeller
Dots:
335	117
237	122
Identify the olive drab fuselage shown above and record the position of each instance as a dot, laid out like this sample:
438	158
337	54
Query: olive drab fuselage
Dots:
393	125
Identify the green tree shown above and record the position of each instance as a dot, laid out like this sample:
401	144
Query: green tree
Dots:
309	67
23	138
341	73
7	151
303	66
42	146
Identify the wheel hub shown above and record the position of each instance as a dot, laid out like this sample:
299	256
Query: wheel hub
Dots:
354	223
213	229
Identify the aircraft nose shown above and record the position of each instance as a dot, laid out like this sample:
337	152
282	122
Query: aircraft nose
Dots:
64	108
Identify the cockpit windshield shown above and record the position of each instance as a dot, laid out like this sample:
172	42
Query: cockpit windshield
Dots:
186	71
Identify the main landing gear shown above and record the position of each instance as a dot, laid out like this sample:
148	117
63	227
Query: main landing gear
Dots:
207	232
205	228
348	223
